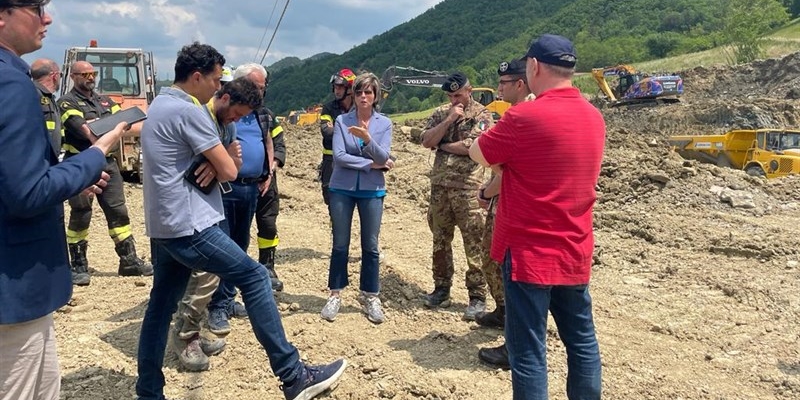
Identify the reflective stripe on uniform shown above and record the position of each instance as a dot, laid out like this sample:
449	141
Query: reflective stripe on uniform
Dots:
277	131
120	233
267	243
51	125
327	152
68	147
326	117
75	237
115	108
71	113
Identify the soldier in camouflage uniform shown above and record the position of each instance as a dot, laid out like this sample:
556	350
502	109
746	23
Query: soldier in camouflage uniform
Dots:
454	180
513	88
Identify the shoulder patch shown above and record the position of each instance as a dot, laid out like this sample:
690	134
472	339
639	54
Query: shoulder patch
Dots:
483	125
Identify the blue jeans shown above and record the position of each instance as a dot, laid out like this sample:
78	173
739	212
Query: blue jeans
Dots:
212	251
526	331
370	211
240	207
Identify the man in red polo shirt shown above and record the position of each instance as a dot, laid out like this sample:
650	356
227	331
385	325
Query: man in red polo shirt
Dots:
550	151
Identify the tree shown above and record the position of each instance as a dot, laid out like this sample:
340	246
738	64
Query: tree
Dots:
746	23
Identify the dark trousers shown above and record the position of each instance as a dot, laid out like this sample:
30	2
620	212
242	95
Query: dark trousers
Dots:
112	201
325	172
267	209
239	205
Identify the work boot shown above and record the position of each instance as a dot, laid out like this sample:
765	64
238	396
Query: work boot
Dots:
496	357
267	258
476	305
494	319
129	263
440	297
79	264
191	354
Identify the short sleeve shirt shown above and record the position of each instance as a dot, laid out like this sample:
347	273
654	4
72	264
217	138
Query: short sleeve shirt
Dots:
176	131
550	150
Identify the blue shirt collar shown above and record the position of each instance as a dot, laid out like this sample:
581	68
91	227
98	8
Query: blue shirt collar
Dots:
6	56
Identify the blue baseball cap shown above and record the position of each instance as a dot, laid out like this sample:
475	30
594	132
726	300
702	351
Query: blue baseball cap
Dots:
554	50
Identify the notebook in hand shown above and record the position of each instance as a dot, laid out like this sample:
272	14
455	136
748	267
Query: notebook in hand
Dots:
100	127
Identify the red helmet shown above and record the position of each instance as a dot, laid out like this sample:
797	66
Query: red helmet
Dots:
344	77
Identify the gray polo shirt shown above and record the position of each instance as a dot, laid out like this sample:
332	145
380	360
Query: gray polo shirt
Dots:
176	130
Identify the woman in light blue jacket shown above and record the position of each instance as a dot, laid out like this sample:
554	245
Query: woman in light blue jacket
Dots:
361	142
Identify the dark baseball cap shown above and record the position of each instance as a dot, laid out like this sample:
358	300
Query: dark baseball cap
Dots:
454	82
514	67
22	3
554	50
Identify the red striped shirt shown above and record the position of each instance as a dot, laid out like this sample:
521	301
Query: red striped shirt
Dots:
550	150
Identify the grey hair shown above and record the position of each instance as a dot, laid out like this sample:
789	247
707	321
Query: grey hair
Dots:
562	72
247	69
368	79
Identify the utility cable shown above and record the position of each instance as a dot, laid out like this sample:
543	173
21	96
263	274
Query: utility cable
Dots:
266	28
274	32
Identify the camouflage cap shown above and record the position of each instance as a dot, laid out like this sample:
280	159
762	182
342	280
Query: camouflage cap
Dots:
514	67
455	82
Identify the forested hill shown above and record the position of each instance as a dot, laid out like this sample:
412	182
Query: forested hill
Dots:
475	35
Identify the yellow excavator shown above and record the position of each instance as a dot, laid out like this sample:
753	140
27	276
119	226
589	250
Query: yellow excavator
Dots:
410	76
634	87
767	153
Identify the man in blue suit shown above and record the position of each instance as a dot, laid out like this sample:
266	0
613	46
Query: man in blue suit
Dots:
34	271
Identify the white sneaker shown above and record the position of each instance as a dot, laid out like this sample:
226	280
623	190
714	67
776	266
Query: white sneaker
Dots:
372	307
331	308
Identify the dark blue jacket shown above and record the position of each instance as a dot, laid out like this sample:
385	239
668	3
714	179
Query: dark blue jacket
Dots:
35	278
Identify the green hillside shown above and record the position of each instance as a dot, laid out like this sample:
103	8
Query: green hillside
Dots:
475	35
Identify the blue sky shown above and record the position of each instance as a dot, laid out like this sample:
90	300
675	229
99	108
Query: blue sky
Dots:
234	27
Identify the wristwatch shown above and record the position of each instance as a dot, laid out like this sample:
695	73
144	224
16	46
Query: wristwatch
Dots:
482	196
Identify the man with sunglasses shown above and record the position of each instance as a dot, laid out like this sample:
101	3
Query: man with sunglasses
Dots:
47	78
80	105
513	88
34	273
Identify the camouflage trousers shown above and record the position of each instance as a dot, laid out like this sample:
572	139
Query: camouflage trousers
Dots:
491	268
451	207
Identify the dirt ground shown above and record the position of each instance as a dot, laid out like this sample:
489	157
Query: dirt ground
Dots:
693	298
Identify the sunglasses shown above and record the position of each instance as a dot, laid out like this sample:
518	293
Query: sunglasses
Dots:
366	92
86	75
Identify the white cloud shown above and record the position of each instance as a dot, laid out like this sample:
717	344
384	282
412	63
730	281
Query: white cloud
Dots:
234	27
124	9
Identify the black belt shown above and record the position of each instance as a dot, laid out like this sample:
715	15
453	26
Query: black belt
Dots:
246	181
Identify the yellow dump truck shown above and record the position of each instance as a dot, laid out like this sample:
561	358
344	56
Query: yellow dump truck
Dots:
763	152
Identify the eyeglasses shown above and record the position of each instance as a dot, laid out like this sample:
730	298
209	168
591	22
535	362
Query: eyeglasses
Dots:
364	92
86	75
37	9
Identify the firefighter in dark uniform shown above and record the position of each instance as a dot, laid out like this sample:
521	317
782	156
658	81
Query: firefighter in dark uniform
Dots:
82	104
47	79
268	204
342	87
